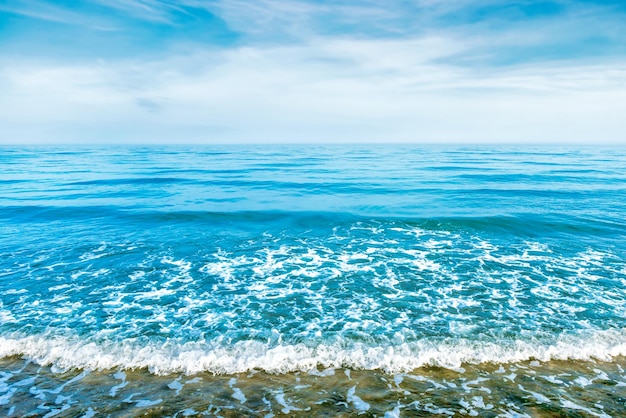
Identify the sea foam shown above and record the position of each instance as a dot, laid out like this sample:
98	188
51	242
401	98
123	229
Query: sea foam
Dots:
194	357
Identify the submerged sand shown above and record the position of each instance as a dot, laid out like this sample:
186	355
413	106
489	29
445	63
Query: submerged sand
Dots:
556	388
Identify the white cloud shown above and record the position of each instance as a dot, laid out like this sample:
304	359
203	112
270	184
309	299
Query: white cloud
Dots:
50	12
150	10
330	89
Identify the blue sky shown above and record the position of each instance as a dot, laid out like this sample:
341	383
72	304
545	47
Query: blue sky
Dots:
221	71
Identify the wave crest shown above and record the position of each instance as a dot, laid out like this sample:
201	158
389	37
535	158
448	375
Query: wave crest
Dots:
194	357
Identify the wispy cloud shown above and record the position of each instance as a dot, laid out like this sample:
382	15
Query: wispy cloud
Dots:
46	11
363	90
351	71
147	10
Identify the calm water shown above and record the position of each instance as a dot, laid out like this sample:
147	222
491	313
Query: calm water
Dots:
312	280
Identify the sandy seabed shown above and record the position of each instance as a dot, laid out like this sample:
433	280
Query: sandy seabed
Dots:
547	389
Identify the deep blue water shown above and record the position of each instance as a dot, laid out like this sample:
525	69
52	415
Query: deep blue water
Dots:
281	258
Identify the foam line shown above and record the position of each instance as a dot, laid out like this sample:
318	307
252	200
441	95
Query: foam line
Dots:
191	358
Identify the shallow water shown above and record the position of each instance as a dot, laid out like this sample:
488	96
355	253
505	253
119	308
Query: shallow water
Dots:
556	388
383	265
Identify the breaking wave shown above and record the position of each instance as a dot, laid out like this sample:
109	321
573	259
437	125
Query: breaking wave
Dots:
244	356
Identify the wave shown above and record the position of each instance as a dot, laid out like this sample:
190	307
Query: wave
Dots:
196	357
514	223
129	181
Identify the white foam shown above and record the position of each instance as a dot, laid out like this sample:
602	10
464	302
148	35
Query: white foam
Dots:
120	376
280	398
59	287
137	275
478	402
600	375
170	356
395	413
154	294
144	403
237	393
554	380
176	385
569	404
470	411
477	381
90	413
6	317
538	396
223	269
435	410
15	291
327	372
359	404
513	414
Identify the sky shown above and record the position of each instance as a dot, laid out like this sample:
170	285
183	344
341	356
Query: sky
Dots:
293	71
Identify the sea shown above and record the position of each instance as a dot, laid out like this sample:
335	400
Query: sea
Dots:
313	280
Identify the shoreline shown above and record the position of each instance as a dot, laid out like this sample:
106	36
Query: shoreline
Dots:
557	388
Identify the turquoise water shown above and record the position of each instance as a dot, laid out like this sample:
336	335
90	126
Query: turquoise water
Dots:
302	260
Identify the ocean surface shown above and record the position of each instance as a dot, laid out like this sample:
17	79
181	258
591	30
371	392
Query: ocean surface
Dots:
373	280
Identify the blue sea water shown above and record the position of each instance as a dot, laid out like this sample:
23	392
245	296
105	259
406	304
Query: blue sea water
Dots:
286	259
